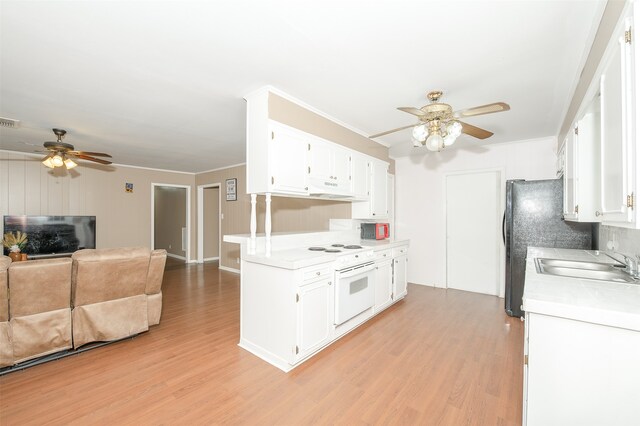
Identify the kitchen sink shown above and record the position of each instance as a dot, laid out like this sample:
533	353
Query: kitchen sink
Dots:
584	270
576	264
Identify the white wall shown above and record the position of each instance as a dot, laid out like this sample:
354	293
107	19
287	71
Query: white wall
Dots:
420	212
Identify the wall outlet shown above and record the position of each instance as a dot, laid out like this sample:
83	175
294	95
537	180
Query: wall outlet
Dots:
238	260
169	245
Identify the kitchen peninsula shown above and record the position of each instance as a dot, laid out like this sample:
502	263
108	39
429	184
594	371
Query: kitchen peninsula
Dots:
312	289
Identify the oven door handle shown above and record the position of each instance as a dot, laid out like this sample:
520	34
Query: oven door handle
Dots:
362	269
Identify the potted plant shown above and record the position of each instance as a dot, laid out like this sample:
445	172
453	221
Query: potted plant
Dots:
15	243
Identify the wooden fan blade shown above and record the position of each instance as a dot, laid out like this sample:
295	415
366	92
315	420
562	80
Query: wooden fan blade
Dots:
413	111
484	109
474	131
97	154
87	157
391	131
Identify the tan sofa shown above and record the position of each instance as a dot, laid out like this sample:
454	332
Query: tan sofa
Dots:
48	306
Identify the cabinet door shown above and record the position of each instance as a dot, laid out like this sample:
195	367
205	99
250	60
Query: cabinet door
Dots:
360	176
399	276
617	128
570	202
287	161
321	159
379	190
342	166
315	317
383	287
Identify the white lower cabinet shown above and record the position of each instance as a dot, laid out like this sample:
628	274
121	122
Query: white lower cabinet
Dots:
314	316
579	373
400	260
287	315
384	283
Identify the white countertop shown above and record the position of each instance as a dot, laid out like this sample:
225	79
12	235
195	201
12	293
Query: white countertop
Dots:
301	257
601	302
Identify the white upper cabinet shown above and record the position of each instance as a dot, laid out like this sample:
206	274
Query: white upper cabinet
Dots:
570	207
360	176
376	207
283	160
582	167
287	160
619	161
602	160
329	168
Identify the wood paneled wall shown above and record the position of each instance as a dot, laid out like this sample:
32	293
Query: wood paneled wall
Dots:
122	219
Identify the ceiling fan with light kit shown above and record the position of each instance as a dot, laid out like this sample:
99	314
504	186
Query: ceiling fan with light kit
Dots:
63	154
439	125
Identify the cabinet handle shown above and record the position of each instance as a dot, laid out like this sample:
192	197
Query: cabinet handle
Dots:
272	180
598	213
384	255
330	283
318	273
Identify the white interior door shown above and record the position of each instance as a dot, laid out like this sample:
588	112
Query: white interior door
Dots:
473	213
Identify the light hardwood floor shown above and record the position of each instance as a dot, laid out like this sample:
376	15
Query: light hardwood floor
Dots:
438	357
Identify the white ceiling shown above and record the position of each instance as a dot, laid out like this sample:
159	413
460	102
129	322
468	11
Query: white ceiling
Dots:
160	84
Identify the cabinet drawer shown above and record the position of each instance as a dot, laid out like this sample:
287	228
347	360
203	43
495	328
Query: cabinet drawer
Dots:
399	251
382	254
316	272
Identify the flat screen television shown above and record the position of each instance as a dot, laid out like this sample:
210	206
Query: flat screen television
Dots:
51	236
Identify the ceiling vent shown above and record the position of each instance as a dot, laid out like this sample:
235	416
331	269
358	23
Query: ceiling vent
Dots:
9	123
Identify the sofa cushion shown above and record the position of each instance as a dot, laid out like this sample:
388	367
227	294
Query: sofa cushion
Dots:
110	320
39	286
108	274
156	271
5	261
6	345
41	334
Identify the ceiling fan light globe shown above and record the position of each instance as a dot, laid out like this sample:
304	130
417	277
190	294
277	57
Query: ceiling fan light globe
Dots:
454	129
449	140
435	143
57	161
70	164
47	162
420	133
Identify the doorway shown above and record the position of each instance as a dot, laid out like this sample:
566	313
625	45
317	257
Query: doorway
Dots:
209	222
474	253
170	219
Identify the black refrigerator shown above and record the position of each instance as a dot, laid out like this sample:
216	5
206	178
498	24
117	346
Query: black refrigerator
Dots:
533	218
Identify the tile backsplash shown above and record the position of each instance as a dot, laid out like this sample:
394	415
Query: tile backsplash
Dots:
623	239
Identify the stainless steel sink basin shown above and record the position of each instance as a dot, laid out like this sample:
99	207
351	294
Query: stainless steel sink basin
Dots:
584	270
576	264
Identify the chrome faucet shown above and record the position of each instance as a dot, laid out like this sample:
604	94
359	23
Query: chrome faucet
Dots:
631	263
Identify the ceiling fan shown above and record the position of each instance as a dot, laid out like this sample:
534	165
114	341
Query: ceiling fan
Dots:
439	125
62	154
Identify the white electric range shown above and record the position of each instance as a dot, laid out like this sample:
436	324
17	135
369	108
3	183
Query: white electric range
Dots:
354	279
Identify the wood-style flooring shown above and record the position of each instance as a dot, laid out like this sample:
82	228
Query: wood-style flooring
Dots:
438	357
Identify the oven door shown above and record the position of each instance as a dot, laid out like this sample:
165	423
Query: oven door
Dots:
354	291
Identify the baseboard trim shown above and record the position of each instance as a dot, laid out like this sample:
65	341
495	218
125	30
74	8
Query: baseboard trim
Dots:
209	259
226	268
175	256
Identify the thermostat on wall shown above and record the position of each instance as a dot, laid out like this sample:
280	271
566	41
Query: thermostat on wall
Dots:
128	187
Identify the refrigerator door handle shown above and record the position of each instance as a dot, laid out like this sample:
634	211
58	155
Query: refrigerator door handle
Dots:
504	222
